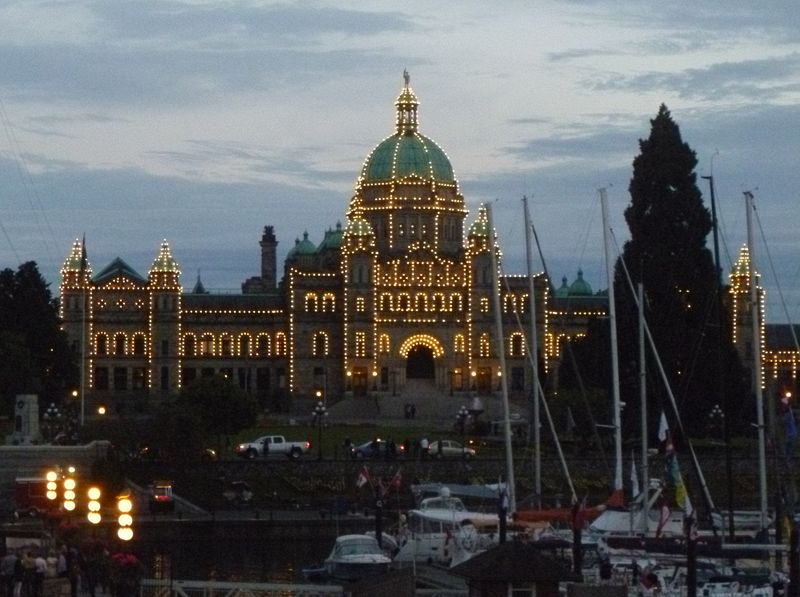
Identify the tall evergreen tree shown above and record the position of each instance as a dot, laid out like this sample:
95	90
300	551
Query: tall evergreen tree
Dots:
667	252
34	354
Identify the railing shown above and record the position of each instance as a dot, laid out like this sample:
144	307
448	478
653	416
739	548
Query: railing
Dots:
199	588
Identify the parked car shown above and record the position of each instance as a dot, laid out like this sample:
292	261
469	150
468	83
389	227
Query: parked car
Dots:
378	449
449	449
270	445
149	454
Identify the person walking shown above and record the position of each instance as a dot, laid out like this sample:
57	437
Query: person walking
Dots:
7	565
39	572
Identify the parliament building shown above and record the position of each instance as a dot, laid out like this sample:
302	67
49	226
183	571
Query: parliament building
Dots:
403	290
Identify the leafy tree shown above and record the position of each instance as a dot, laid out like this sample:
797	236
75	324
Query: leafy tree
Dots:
221	406
667	252
34	354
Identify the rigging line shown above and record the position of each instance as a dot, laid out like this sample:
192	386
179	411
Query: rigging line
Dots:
668	388
540	393
775	277
10	243
573	360
25	174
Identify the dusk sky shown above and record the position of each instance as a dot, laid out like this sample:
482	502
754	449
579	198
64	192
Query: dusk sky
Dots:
201	122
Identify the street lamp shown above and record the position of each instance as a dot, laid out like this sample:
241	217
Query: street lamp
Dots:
461	416
319	412
125	519
93	506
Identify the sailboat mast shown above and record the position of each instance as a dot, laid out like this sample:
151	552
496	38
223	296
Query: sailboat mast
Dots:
755	315
643	407
612	323
501	354
534	350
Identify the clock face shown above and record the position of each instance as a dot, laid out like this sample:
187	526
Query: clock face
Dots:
20	405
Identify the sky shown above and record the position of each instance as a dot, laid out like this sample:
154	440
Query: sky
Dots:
201	122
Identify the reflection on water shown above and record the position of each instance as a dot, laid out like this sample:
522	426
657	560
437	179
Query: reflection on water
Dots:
279	560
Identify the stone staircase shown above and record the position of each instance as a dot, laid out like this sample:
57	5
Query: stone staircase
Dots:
433	406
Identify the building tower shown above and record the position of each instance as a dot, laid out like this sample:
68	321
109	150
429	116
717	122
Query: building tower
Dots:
165	322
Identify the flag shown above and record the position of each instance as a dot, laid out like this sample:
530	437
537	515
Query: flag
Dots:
635	491
363	477
663	428
397	480
664	436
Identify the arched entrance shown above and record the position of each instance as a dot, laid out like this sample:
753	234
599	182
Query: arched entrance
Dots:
420	364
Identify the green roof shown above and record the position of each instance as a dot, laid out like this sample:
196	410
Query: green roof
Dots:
580	287
406	155
305	246
118	268
332	240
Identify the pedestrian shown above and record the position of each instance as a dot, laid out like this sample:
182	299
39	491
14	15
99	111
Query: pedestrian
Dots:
423	448
39	571
413	411
439	449
73	570
19	576
61	562
28	574
7	565
265	447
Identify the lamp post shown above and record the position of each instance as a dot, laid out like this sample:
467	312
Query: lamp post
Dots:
461	416
319	412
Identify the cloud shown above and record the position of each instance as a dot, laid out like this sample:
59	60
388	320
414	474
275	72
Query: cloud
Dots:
761	79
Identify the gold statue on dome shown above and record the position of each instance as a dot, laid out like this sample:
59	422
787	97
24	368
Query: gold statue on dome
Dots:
406	76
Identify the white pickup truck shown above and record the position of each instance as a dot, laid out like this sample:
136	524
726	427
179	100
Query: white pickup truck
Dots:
270	445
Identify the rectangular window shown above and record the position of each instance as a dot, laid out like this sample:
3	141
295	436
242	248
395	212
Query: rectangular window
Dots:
262	380
188	375
139	376
361	344
120	379
242	376
517	378
164	379
101	378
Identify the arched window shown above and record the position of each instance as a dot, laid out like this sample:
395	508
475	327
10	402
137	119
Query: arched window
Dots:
244	345
207	345
138	345
509	303
384	344
456	303
280	344
328	303
361	304
485	308
310	302
226	346
458	344
386	302
484	346
438	302
405	302
421	301
319	347
119	344
262	345
101	345
516	345
188	346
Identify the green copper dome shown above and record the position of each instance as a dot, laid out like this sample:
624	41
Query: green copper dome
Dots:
404	156
407	153
305	246
480	227
580	287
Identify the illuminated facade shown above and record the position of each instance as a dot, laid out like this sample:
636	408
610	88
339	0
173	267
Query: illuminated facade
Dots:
778	342
404	290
